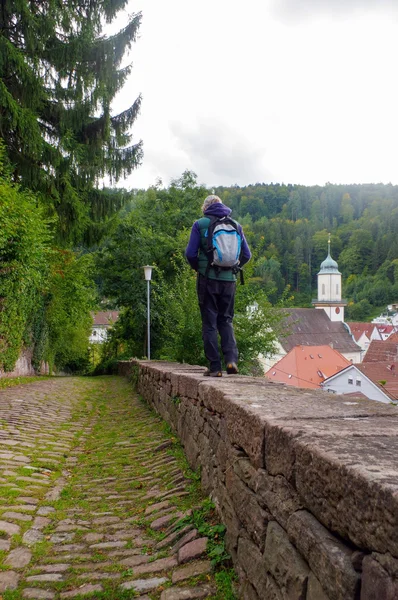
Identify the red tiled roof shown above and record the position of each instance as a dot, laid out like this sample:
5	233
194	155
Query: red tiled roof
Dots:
393	337
385	328
106	317
308	366
357	329
312	327
382	351
382	372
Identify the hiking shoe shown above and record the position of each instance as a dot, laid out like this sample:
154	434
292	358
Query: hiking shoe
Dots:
232	369
209	373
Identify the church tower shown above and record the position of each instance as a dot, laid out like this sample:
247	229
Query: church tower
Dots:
329	289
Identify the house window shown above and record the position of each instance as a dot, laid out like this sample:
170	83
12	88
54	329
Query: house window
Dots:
350	381
337	289
323	289
358	382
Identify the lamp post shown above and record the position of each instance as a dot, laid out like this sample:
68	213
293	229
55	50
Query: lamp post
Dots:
148	277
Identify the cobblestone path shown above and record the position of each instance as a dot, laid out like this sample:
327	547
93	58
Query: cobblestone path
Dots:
89	492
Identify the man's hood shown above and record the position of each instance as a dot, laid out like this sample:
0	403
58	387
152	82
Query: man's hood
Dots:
218	210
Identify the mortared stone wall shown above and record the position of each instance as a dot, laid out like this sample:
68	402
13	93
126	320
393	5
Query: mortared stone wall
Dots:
306	482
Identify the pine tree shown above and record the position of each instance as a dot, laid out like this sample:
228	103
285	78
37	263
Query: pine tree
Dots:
58	76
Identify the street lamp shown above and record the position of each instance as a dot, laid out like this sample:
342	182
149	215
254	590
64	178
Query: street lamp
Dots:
148	276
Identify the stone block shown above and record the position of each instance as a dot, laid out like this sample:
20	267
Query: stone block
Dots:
285	564
36	594
272	591
191	450
314	589
252	562
245	471
228	516
248	592
279	449
212	395
188	385
143	585
157	566
188	593
191	570
377	583
250	514
276	495
246	430
185	539
388	562
8	580
9	528
213	420
191	550
351	489
222	456
18	558
328	557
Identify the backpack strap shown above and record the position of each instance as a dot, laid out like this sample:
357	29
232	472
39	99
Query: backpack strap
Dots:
209	251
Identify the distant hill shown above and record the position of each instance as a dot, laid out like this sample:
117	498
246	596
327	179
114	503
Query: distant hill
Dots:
287	227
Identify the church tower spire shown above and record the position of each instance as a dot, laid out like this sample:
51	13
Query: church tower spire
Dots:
329	289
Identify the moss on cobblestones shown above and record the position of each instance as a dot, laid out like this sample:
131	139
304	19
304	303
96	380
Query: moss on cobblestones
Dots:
98	442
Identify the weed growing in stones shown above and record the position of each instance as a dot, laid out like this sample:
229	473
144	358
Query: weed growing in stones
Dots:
12	595
12	381
206	521
226	580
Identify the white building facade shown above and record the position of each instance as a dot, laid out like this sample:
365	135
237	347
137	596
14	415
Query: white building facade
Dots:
351	380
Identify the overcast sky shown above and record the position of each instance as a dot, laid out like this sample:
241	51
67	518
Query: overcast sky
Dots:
293	91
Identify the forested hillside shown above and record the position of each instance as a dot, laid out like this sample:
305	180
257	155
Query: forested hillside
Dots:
288	225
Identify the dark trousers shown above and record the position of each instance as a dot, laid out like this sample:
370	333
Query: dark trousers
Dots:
216	303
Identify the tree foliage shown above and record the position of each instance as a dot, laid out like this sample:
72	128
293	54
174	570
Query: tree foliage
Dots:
154	229
288	227
45	294
58	76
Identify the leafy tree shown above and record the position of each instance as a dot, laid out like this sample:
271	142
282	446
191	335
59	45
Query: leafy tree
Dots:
359	311
298	257
45	294
58	76
155	230
347	210
24	238
357	255
70	296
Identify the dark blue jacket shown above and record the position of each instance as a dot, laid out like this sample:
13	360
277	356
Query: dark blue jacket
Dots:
194	245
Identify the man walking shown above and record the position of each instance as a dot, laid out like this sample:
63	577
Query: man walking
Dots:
216	287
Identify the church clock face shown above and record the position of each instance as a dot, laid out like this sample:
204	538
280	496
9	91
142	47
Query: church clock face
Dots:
337	311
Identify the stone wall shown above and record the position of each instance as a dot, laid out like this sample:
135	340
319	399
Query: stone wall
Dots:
23	366
306	482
